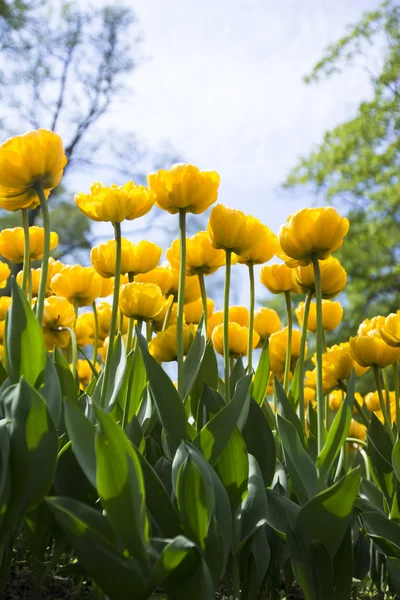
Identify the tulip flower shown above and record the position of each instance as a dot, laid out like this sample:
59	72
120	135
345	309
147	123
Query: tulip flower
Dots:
163	347
266	322
80	285
12	243
238	338
332	313
58	313
161	276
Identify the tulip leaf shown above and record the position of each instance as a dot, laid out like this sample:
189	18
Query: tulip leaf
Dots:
33	448
288	411
325	517
158	501
260	441
139	380
51	390
384	532
337	432
303	563
300	466
82	434
71	481
120	485
261	377
293	395
94	543
173	553
254	510
380	452
233	468
65	377
396	459
207	375
169	405
238	372
281	512
5	476
214	436
24	343
194	358
343	568
118	374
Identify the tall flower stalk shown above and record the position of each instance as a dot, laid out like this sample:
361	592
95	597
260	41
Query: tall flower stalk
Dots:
26	266
203	291
289	341
228	260
382	404
251	319
181	296
46	253
320	343
396	393
114	312
302	353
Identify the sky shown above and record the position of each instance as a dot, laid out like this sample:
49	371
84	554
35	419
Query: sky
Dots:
221	82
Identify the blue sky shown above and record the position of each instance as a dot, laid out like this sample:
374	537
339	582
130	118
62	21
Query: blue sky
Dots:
222	83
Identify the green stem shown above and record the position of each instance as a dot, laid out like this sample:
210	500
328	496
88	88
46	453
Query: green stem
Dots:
303	340
231	363
74	349
125	415
46	254
251	320
320	389
382	403
387	396
148	331
396	394
96	336
114	313
167	316
27	265
181	296
203	298
131	324
289	342
226	324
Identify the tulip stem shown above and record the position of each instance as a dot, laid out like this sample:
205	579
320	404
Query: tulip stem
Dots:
46	253
125	416
387	395
96	336
226	324
181	297
167	316
320	343
26	267
251	320
203	298
289	341
74	349
396	394
303	340
382	403
114	313
131	324
148	331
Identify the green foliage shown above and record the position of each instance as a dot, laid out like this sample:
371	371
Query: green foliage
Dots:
357	165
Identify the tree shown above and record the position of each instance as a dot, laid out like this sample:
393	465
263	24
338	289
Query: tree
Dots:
357	165
66	66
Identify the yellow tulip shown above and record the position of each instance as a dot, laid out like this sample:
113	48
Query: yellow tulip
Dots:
312	231
371	350
84	329
84	372
266	322
372	401
229	229
238	336
163	347
184	186
80	285
192	287
26	160
376	323
278	279
5	273
277	348
158	322
357	430
12	243
201	257
332	313
5	303
193	311
143	301
161	276
58	312
390	332
215	319
333	277
263	248
116	203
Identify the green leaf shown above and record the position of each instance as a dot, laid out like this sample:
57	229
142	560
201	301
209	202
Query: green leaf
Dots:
24	343
343	568
233	468
70	481
384	532
138	382
281	512
158	501
65	377
121	487
194	491
325	517
300	466
82	434
5	478
214	436
288	411
90	535
194	358
33	449
337	432
261	377
260	441
293	395
118	373
254	510
380	452
238	372
51	390
303	563
169	405
396	459
207	375
170	558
